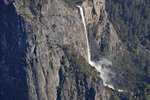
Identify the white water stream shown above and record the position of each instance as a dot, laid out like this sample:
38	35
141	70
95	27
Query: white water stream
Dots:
105	73
88	49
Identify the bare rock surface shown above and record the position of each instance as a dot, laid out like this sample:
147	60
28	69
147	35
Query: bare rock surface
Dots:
33	35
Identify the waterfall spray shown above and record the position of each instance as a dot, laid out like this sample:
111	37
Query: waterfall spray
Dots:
104	72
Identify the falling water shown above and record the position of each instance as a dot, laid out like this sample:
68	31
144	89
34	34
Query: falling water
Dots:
88	49
105	72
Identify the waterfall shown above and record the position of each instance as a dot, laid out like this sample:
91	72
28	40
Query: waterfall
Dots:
87	42
104	72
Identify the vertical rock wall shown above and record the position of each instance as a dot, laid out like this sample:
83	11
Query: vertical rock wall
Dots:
32	37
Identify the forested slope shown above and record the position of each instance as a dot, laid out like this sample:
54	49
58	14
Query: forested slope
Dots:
131	20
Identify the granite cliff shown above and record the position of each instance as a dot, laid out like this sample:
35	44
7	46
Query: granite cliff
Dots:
43	51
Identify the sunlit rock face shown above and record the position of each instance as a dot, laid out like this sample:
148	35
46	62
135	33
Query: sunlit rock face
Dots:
104	43
34	61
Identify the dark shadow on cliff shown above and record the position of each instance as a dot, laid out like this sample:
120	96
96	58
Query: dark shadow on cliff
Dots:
13	85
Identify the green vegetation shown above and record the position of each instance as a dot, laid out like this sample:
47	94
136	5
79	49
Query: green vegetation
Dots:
78	72
77	62
131	19
70	3
105	53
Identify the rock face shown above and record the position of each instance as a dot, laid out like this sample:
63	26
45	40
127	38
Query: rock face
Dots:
103	38
34	57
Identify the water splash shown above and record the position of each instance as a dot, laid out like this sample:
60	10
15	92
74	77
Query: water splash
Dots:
100	66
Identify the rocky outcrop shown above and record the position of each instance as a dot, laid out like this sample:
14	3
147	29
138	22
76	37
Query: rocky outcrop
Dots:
103	38
32	40
12	53
79	80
